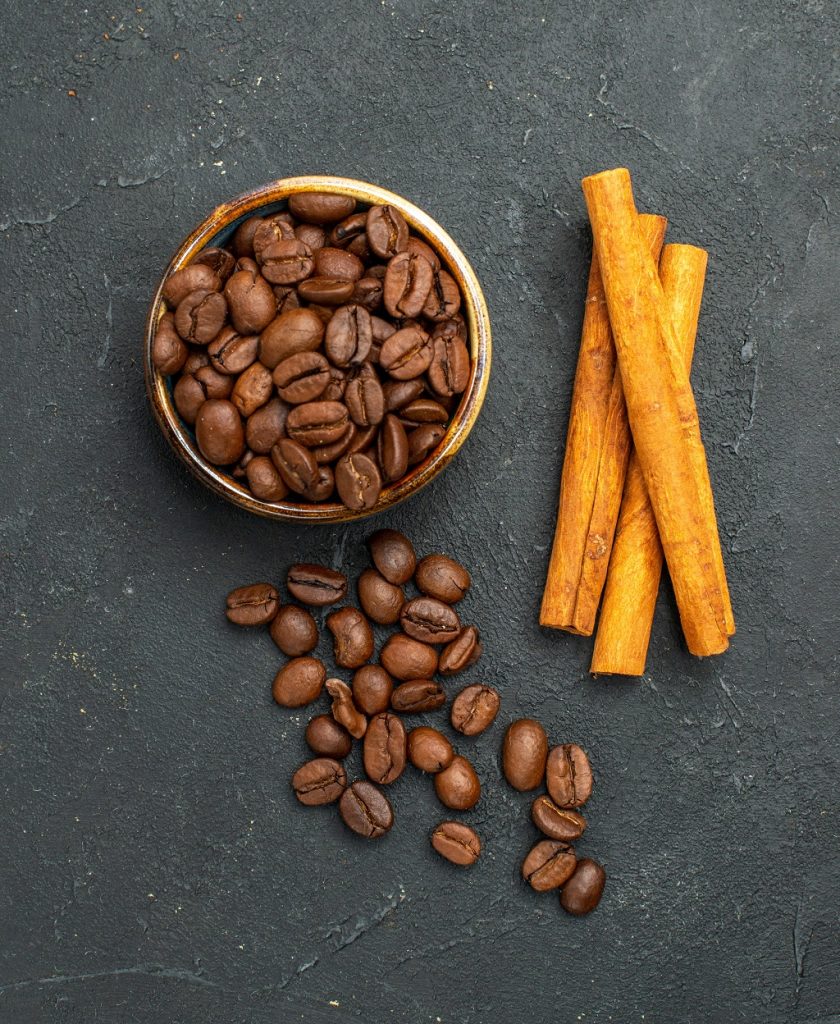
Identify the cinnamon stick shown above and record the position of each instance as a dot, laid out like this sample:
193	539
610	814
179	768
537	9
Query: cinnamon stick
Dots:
594	466
662	413
624	624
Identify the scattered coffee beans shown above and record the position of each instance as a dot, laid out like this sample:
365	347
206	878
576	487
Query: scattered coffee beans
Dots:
429	750
548	865
299	682
582	892
321	781
524	754
252	606
457	843
475	709
326	737
557	822
294	631
568	776
366	810
457	786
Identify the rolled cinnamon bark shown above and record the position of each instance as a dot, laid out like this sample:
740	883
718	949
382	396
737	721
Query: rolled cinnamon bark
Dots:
662	413
594	466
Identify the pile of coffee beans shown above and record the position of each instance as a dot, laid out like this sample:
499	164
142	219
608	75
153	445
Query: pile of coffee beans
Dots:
323	352
528	762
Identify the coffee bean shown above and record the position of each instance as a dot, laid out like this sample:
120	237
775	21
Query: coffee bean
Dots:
250	301
366	810
372	688
189	396
549	864
457	786
317	423
368	292
169	351
196	357
326	737
393	555
215	384
358	481
392	449
352	636
381	600
194	278
420	248
348	336
313	236
219	433
320	207
295	464
220	261
246	263
418	695
361	441
442	577
363	397
423	440
408	281
325	453
475	709
254	605
243	237
582	893
326	291
568	775
297	330
344	709
399	393
273	229
265	426
461	653
407	353
338	264
294	631
302	377
252	389
287	262
323	486
429	750
424	410
404	658
200	316
384	749
349	230
286	297
231	353
524	753
557	822
335	388
318	782
444	297
430	620
315	584
457	843
449	370
299	682
387	231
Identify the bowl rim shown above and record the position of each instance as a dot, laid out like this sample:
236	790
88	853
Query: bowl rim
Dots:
474	310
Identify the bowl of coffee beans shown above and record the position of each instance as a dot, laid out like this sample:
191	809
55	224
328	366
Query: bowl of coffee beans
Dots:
317	349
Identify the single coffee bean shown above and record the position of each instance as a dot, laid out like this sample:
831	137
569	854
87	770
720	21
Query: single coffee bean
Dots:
215	384
372	688
231	353
316	423
252	389
296	330
315	584
418	695
169	350
444	297
344	710
384	750
368	292
286	297
189	396
358	481
568	775
287	262
424	410
194	278
421	248
272	229
362	440
325	291
387	231
263	479
243	238
408	281
352	637
363	397
250	301
220	261
582	893
334	391
318	782
366	810
549	864
461	653
404	658
200	316
246	263
325	453
338	264
429	750
392	449
348	336
320	207
302	377
254	605
423	440
266	425
449	370
219	432
323	486
326	737
294	631
399	393
457	843
430	620
299	682
407	353
393	555
349	230
457	786
475	709
295	464
557	822
524	753
442	577
312	235
381	601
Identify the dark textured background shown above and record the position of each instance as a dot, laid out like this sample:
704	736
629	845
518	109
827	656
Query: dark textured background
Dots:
154	865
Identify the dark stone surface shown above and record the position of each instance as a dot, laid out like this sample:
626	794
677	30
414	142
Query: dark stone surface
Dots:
154	866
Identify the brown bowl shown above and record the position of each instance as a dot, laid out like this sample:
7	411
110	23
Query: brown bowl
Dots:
217	230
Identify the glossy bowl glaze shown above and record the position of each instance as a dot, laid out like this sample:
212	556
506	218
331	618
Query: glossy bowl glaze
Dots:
217	230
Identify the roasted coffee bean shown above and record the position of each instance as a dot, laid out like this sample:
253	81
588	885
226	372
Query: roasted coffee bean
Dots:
297	330
338	264
363	397
252	389
387	231
286	297
429	750
231	353
372	688
461	653
294	631
265	427
299	682
352	637
315	584
362	439
220	261
368	292
442	577
246	263
334	391
320	207
250	301
366	810
407	353
549	864
323	486
384	750
189	396
295	464
254	605
475	709
316	423
272	229
357	480
421	248
215	384
344	709
381	331
219	432
243	238
557	822
582	893
318	782
348	336
457	843
399	393
196	357
326	291
393	555
568	775
423	440
194	278
381	601
524	753
287	262
424	410
200	316
449	370
430	620
404	658
418	695
349	230
457	786
325	453
392	449
444	297
169	350
326	737
408	281
302	377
